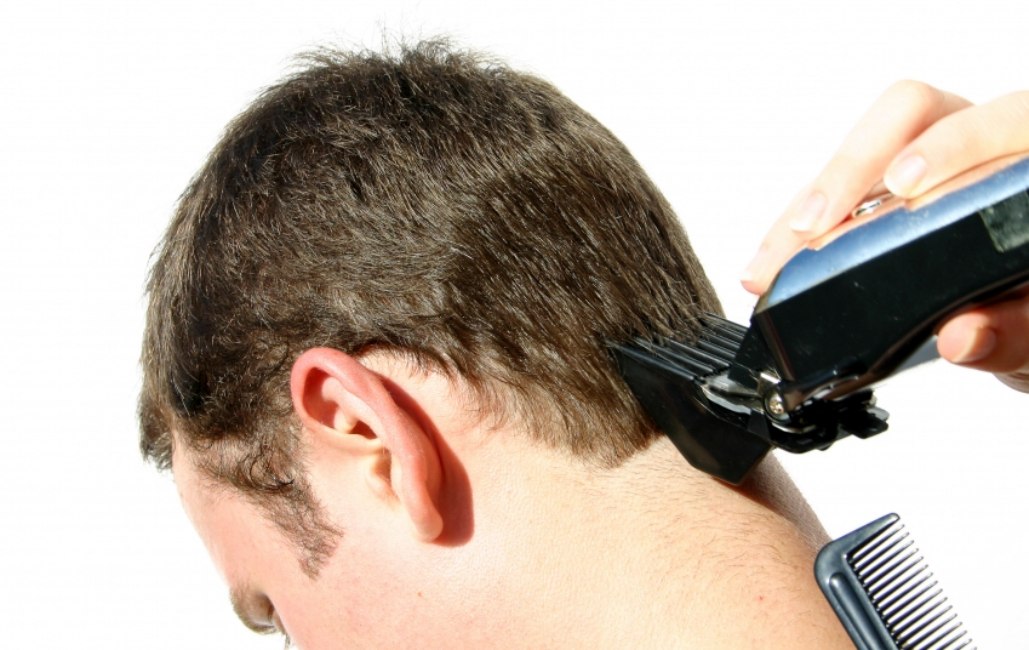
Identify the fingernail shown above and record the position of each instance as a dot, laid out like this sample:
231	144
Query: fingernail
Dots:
979	346
904	176
747	278
808	213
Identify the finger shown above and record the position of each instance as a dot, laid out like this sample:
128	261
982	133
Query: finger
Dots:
994	338
894	120
960	141
900	115
778	246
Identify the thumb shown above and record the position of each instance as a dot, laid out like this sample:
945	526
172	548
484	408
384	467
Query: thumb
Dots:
994	338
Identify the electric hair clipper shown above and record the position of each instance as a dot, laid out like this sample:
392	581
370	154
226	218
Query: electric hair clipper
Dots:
836	319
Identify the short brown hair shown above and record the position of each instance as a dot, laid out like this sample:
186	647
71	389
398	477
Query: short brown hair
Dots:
431	202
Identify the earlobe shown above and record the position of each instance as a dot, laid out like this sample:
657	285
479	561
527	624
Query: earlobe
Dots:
336	398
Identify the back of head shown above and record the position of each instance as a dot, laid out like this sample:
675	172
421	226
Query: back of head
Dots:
431	203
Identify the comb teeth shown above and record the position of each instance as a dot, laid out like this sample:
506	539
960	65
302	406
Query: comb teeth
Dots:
720	337
904	593
714	350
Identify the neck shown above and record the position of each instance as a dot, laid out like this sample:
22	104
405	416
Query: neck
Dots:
653	554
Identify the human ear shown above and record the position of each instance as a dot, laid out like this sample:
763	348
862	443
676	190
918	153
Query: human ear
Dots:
343	404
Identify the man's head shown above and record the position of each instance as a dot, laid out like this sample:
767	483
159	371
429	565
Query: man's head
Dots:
431	213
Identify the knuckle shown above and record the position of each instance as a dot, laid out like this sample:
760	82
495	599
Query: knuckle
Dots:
916	94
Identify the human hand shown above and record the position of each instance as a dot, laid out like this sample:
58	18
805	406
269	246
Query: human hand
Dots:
913	138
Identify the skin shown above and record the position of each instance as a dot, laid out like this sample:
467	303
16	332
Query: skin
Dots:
912	139
461	532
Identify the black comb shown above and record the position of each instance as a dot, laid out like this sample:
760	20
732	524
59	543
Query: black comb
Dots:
883	592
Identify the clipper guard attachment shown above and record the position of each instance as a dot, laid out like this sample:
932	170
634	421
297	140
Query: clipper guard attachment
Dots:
725	427
666	377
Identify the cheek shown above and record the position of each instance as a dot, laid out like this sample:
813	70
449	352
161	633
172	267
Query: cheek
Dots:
334	610
365	596
380	585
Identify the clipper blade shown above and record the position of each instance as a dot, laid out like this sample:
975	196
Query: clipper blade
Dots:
884	594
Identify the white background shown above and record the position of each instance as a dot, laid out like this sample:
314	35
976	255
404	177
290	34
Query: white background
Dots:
107	108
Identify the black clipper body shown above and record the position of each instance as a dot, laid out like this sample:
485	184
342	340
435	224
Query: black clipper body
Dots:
834	321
